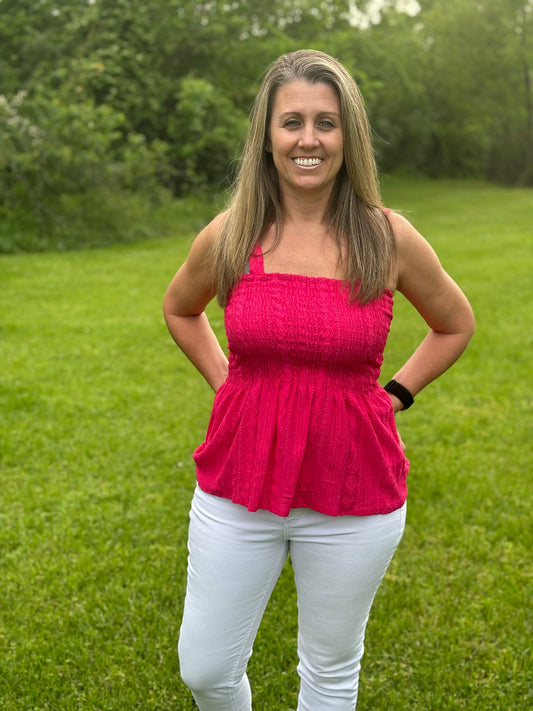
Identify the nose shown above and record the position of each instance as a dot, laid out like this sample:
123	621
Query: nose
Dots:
308	137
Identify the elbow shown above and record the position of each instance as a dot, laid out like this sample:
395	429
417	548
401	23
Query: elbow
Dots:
466	331
167	309
172	314
174	308
465	321
471	324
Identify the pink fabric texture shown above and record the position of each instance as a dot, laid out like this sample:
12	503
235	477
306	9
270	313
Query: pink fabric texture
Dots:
301	420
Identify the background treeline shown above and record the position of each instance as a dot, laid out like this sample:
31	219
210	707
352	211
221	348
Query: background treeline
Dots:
108	107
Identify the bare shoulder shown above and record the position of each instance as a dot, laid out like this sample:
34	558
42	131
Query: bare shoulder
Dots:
421	278
193	285
415	257
412	251
407	237
203	244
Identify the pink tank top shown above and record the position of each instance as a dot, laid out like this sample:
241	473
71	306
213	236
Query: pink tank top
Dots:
301	420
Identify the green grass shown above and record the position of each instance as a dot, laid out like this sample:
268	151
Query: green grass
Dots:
98	219
99	415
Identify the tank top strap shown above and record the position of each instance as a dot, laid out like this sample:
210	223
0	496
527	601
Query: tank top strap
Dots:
255	264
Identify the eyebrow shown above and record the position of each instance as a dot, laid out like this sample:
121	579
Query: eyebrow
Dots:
320	114
299	113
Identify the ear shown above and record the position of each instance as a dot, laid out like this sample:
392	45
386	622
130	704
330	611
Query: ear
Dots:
268	146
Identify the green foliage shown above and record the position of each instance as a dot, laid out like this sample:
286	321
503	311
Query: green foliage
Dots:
67	172
452	92
478	69
161	91
100	415
213	127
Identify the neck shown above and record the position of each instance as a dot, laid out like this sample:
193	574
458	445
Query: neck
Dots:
308	208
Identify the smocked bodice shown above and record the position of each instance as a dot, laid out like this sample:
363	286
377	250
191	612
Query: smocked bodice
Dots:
301	419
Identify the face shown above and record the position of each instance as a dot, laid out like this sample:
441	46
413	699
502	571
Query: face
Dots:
306	138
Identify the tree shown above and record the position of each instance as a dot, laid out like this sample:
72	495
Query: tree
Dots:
135	91
477	65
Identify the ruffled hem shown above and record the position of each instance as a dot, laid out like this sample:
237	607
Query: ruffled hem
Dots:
340	454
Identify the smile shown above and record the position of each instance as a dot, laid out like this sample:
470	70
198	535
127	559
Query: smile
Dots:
307	162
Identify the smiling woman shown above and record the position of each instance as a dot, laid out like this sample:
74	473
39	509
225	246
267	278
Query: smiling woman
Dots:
360	234
306	140
302	451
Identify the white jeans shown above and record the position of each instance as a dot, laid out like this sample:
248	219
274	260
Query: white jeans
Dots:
235	559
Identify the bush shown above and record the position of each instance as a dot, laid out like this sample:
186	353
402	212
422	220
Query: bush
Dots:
70	174
203	134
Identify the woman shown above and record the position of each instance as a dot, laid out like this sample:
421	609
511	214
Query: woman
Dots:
302	454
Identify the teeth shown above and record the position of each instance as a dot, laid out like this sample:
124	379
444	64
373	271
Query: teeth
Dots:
307	162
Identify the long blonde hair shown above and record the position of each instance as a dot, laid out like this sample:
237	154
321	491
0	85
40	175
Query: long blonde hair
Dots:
355	211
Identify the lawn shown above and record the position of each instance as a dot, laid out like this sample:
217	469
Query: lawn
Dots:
99	416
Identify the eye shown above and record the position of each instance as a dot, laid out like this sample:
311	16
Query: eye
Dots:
326	123
291	123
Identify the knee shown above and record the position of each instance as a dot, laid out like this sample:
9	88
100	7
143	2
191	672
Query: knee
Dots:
202	671
329	686
330	673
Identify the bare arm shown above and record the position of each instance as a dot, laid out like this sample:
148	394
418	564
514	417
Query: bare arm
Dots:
422	280
184	304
